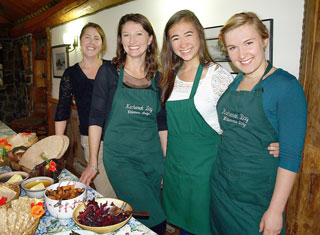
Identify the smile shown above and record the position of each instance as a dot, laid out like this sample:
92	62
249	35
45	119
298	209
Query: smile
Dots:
133	47
185	51
246	62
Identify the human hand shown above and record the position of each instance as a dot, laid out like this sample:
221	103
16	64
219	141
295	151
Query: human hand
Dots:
88	175
271	223
274	149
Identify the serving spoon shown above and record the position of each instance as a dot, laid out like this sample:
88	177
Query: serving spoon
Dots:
115	210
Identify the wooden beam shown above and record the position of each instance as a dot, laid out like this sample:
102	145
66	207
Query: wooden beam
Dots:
65	11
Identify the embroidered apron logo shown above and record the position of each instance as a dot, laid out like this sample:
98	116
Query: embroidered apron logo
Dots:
139	110
235	118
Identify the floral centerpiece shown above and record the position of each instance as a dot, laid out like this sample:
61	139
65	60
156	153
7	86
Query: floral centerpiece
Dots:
4	147
51	165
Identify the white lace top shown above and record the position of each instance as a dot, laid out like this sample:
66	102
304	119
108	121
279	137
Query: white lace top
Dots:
210	88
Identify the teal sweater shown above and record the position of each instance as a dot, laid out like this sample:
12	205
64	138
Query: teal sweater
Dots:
286	108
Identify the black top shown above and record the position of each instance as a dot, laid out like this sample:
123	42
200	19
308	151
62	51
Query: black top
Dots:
75	83
103	93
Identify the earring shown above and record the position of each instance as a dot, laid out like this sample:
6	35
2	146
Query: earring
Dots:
148	50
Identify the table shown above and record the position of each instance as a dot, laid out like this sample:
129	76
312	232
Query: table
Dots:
5	131
50	225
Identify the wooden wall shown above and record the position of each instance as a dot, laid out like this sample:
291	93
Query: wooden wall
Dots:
303	209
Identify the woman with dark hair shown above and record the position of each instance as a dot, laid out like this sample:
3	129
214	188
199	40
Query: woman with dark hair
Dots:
78	81
126	99
192	83
264	104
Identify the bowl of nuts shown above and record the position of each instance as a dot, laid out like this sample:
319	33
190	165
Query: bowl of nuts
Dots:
62	198
97	215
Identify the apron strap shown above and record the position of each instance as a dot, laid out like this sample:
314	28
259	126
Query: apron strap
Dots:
120	81
269	67
196	81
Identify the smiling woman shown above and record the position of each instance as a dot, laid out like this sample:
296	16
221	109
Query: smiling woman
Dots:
126	97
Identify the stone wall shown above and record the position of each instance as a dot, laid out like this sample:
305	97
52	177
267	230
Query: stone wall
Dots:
17	78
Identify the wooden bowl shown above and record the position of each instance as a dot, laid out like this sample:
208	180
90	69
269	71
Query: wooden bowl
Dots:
105	229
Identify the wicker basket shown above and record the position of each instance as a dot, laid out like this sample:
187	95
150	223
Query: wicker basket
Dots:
32	229
13	187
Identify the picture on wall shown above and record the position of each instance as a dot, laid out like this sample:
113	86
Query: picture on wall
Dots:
60	59
211	34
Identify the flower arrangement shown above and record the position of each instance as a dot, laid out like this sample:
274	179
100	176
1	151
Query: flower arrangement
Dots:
37	209
4	147
51	165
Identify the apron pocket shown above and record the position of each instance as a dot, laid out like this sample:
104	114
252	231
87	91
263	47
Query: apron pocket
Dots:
246	189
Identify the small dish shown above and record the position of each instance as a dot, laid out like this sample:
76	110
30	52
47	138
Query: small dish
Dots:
29	183
6	176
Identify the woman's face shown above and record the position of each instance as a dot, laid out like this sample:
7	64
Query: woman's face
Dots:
135	39
91	42
185	40
245	47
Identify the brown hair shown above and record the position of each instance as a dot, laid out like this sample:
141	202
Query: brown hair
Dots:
241	19
151	59
101	33
170	62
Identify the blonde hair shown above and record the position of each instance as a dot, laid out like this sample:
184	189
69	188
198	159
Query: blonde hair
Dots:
241	19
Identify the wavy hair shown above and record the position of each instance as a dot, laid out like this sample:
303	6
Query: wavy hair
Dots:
151	59
170	62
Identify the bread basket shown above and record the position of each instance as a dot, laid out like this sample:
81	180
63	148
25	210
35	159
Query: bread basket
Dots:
13	187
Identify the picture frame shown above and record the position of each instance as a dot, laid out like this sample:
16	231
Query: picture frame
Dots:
212	39
60	59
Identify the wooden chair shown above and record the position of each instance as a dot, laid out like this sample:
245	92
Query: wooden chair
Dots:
37	120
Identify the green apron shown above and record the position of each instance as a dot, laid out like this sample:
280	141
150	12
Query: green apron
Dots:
191	151
132	151
244	174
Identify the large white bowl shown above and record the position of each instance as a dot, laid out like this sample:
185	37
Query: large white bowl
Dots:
66	208
36	193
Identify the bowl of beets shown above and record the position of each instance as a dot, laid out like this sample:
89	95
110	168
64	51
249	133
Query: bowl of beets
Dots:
94	215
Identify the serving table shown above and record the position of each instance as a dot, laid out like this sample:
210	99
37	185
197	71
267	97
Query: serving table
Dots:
50	225
5	131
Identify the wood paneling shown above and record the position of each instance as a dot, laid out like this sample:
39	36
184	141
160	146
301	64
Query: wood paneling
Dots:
62	12
304	204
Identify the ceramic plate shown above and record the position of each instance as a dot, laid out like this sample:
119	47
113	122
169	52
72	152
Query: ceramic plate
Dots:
82	232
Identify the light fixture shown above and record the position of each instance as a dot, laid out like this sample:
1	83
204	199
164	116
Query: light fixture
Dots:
75	44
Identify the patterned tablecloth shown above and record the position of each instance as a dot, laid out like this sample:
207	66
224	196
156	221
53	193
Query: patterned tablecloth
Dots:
5	131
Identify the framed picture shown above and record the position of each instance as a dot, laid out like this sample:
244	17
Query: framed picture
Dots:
60	60
211	34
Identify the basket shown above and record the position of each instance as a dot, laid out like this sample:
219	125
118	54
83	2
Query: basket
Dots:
32	229
13	187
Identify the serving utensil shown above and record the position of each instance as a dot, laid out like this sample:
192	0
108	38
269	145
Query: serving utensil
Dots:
114	210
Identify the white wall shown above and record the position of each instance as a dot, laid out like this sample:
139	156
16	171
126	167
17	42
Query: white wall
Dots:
287	15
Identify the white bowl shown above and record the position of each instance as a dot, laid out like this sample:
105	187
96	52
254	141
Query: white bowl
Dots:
6	176
36	193
66	208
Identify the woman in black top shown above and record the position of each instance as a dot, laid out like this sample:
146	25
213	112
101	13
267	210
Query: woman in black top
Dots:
78	81
126	99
